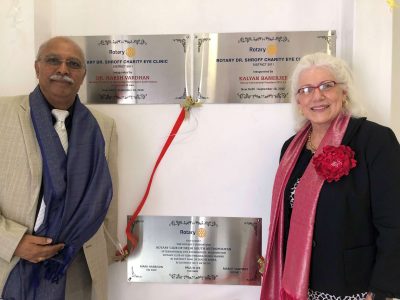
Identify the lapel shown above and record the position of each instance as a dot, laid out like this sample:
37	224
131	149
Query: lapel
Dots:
352	129
32	150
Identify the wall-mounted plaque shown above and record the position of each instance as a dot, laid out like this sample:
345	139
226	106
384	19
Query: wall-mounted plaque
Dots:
205	250
133	69
252	67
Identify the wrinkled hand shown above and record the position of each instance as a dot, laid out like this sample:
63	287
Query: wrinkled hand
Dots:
36	248
370	297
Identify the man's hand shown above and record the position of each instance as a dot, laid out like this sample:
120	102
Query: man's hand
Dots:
36	248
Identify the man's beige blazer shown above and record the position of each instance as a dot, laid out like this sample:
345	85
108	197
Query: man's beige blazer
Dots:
20	181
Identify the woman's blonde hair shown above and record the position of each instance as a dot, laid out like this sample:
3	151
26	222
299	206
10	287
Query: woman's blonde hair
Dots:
340	71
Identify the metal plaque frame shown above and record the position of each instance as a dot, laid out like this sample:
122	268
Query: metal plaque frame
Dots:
135	69
203	250
249	67
252	67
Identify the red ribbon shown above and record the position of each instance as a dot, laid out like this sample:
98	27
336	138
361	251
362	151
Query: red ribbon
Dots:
171	137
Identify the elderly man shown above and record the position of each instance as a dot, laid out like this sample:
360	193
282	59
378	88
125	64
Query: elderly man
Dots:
56	165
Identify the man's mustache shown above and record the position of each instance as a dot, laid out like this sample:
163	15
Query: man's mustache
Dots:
62	78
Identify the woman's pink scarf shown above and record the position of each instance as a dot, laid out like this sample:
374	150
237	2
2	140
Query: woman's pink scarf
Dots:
291	280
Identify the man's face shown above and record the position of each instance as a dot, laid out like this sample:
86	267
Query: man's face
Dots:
60	70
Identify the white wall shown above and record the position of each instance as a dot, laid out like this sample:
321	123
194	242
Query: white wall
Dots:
395	99
372	57
17	52
223	161
221	164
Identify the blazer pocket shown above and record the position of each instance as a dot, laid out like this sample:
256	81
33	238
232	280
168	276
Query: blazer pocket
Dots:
358	264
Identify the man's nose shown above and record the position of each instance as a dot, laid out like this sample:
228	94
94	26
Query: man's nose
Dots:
63	68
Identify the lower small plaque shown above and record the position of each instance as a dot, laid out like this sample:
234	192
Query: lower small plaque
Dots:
204	250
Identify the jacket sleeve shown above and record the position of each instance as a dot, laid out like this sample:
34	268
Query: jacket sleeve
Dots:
14	180
10	235
383	156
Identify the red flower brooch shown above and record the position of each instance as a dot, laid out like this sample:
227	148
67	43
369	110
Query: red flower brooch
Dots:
334	162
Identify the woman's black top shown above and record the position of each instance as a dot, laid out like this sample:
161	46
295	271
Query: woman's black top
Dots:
298	171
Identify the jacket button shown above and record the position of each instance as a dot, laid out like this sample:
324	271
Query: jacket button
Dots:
314	243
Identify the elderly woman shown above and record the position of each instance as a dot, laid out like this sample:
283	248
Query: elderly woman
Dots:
335	216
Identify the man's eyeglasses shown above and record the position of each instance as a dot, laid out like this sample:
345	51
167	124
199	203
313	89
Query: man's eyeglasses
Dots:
71	63
323	87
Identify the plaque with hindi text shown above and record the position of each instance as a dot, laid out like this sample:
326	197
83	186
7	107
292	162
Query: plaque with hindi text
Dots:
135	69
252	67
198	250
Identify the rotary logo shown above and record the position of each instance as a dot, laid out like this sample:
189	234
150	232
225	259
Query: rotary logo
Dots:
272	49
130	52
201	232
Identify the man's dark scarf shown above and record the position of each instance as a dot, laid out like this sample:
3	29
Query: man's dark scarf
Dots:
77	194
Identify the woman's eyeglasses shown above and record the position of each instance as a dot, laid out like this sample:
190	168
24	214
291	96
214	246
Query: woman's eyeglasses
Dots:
323	87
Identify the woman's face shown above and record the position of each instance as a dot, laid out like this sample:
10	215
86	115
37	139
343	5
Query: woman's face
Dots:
320	97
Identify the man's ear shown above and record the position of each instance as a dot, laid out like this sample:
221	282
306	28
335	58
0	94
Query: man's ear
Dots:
37	69
83	78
